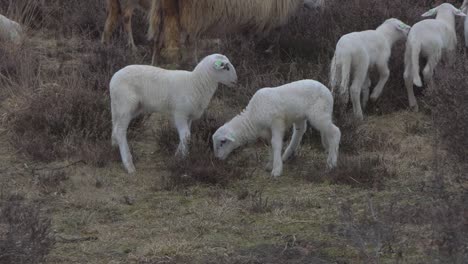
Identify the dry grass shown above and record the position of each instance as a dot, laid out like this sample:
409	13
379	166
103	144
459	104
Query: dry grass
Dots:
25	236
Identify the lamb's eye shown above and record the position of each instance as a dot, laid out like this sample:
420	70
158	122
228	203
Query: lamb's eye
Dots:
223	141
226	67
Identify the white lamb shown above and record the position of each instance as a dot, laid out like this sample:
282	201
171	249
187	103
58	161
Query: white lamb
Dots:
10	31
431	39
273	110
356	53
184	95
464	9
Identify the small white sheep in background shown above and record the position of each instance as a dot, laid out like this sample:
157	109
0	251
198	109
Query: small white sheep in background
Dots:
356	53
432	39
10	31
273	110
314	3
464	9
184	95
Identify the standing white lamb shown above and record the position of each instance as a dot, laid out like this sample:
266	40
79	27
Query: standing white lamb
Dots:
273	110
184	95
10	31
464	9
356	53
431	39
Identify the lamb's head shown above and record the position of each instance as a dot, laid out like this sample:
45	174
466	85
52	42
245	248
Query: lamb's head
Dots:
221	69
445	7
224	142
402	28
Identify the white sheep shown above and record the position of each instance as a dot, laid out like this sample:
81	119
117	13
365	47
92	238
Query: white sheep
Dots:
356	53
311	4
432	39
183	95
464	9
273	110
10	31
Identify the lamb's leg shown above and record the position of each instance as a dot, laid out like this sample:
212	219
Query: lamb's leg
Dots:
413	104
365	92
111	21
330	135
298	131
358	82
384	73
119	134
428	71
183	128
277	133
127	18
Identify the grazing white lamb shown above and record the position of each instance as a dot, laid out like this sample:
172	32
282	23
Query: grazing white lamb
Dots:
10	31
356	53
273	110
183	95
431	39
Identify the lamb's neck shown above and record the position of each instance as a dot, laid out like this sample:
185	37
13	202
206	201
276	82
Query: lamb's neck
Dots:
447	17
204	84
243	129
390	33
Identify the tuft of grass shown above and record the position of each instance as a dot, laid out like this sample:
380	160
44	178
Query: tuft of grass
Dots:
359	172
26	236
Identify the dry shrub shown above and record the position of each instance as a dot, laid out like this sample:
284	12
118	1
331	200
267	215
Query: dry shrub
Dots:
67	113
355	171
200	166
25	235
371	232
19	68
449	103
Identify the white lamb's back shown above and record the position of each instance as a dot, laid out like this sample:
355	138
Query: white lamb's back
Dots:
156	88
289	102
369	41
431	32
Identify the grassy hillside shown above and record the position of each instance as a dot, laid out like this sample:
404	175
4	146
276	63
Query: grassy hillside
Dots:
399	194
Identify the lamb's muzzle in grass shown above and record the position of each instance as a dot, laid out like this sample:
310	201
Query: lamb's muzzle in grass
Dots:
432	39
182	95
273	110
356	53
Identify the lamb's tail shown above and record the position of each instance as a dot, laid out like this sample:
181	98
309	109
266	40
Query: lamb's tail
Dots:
154	20
341	63
412	61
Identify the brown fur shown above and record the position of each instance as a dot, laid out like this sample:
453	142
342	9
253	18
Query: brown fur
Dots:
125	8
211	18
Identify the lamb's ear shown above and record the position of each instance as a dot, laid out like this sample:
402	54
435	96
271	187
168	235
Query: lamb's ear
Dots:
230	137
459	12
218	65
403	27
431	12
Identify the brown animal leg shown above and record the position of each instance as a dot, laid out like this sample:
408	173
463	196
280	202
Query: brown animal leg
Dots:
127	18
171	31
113	12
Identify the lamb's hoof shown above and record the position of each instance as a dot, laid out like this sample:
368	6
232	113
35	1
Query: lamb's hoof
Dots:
373	99
131	170
359	118
276	172
414	108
